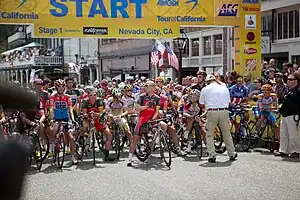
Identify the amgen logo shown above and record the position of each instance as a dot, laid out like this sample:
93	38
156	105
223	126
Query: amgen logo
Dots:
168	2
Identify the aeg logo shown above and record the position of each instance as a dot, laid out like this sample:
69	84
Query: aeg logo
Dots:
228	10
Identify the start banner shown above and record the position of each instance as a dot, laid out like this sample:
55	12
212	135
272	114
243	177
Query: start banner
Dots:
117	18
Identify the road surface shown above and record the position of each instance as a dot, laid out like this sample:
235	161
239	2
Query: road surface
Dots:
255	175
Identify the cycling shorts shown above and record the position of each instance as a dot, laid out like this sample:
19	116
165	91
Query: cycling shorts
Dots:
269	115
100	127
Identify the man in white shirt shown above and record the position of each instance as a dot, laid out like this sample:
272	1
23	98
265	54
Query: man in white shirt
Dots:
215	97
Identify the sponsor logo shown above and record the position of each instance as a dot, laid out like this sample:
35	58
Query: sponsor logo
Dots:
250	64
251	1
250	21
250	51
95	31
251	9
195	3
168	3
228	10
250	37
22	3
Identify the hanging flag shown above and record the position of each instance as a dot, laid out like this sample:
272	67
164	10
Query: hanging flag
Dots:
154	55
173	60
162	49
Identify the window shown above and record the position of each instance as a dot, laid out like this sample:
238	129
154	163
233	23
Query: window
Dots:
186	51
195	47
279	22
218	44
291	24
285	25
297	22
207	45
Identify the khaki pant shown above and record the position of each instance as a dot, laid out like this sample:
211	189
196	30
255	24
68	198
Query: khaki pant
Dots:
289	136
213	118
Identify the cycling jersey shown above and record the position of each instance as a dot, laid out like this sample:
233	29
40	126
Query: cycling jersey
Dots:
74	94
268	101
61	106
44	96
151	102
163	102
114	106
129	101
99	103
238	93
193	109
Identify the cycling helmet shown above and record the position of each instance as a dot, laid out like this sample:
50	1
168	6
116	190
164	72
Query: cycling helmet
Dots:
266	87
104	82
201	72
100	92
195	92
128	88
59	82
143	78
116	93
90	89
159	79
210	78
96	83
121	86
130	78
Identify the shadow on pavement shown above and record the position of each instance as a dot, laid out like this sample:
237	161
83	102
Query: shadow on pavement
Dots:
150	164
288	159
217	164
194	157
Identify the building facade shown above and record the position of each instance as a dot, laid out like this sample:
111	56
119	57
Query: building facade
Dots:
281	31
27	62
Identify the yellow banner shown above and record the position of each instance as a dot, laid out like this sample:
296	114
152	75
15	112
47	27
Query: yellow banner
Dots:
248	39
122	31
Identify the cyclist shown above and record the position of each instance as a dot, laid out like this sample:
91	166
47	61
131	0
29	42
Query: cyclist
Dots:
94	106
117	111
148	106
267	102
128	99
61	110
193	111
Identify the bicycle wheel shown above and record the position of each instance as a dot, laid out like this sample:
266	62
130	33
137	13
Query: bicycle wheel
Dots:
117	143
60	150
198	143
142	151
244	136
100	141
218	138
165	150
44	141
92	132
37	151
80	146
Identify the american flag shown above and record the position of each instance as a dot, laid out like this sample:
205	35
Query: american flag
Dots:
173	60
154	55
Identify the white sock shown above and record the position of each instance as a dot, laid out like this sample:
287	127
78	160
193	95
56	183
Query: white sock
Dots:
130	157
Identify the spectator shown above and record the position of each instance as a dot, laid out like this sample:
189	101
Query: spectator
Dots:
248	82
290	110
280	87
215	97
